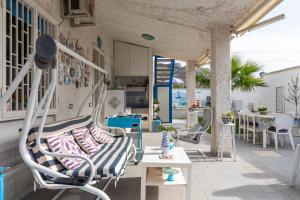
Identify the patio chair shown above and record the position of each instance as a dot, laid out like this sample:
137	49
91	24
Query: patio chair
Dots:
282	125
252	127
192	135
243	122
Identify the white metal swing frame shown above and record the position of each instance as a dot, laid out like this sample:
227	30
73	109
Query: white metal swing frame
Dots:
32	114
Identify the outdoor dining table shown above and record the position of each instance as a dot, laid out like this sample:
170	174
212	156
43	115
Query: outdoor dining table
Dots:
265	121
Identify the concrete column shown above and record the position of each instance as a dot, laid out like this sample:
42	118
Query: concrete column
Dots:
190	89
220	80
190	82
151	84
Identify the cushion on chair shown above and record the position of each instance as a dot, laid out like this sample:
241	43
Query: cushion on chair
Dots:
273	129
47	161
188	137
100	135
66	143
85	140
109	161
251	124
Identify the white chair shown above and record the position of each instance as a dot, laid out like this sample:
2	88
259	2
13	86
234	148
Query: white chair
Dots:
242	123
252	127
282	125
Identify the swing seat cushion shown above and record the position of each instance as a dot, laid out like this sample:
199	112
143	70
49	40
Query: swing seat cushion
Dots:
109	161
85	140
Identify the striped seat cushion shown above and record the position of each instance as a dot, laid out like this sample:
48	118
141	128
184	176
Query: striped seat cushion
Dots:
109	161
100	135
66	144
85	140
60	127
47	161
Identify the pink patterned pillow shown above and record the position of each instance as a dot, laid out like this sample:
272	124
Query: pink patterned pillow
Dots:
65	143
85	140
100	135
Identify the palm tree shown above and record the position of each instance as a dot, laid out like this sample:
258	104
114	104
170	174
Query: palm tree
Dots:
242	75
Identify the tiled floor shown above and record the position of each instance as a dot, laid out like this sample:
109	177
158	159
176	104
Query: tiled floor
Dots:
259	173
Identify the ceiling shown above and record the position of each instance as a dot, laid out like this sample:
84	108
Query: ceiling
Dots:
181	27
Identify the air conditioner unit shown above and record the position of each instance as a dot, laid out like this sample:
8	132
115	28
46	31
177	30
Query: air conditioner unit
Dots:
77	8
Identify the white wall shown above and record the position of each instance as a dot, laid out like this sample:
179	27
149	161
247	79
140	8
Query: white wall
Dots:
67	94
267	96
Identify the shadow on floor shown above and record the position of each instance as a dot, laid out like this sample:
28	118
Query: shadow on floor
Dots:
127	189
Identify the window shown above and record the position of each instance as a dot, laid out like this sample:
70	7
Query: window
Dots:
21	25
280	100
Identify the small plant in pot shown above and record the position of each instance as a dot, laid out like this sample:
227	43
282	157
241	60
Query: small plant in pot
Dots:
155	113
263	110
155	104
228	117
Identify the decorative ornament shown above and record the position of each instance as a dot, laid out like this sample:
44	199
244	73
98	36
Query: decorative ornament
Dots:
165	143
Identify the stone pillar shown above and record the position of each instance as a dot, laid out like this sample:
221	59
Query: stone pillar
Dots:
190	82
190	89
220	80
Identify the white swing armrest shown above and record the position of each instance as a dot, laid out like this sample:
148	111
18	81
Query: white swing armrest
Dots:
113	128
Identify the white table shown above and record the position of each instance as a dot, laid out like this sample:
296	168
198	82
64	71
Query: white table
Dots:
264	130
151	169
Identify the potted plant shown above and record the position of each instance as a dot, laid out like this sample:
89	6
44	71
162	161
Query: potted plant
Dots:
263	110
155	104
155	113
228	117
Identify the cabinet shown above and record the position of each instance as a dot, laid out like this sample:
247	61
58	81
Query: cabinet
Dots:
130	60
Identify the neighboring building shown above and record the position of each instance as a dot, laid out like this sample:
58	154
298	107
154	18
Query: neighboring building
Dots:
273	96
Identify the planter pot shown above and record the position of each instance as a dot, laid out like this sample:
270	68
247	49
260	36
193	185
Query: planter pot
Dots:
263	112
155	106
227	120
155	115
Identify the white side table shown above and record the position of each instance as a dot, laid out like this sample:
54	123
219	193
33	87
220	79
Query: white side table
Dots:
232	140
152	174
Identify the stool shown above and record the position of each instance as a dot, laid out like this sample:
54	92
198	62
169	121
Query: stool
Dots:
232	140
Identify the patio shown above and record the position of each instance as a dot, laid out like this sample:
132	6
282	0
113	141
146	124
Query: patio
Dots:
122	41
258	174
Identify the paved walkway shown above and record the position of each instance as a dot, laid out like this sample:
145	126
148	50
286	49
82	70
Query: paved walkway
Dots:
258	174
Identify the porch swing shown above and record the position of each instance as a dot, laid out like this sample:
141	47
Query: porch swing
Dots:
108	162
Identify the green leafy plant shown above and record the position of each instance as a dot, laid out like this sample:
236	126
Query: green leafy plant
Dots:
155	101
157	110
168	128
171	139
228	117
262	109
178	85
242	75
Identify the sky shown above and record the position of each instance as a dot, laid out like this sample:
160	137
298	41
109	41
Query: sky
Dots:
276	46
